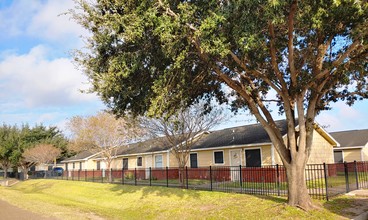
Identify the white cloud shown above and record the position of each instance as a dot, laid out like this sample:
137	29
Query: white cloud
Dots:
15	18
343	117
42	20
51	22
32	80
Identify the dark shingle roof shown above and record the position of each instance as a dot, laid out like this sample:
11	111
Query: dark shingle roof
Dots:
80	156
353	138
152	145
248	134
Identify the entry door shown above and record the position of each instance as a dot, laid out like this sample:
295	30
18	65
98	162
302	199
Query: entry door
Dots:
148	164
235	161
253	158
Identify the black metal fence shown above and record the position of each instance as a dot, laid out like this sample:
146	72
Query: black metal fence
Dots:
322	180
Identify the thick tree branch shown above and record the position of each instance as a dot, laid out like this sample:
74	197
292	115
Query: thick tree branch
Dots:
335	63
293	71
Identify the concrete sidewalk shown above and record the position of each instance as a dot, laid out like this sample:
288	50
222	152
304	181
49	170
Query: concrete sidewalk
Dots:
359	192
11	212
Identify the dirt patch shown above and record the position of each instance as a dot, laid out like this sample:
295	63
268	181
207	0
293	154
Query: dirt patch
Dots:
359	205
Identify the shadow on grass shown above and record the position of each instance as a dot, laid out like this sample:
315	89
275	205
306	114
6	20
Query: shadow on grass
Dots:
348	207
181	192
154	190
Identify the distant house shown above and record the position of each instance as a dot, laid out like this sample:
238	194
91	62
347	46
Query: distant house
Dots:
353	145
81	161
248	145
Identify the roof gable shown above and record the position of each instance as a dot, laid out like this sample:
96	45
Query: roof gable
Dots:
352	138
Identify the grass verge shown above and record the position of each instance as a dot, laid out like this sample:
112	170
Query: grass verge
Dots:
82	200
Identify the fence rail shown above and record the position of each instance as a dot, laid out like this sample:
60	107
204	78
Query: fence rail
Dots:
322	180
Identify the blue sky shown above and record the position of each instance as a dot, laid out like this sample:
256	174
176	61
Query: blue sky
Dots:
40	84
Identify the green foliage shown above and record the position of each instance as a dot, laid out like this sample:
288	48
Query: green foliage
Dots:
15	140
155	56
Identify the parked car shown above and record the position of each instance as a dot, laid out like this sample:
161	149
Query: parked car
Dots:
58	171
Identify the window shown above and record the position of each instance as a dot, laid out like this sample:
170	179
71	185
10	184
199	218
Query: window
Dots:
193	160
219	157
125	164
338	157
139	161
253	158
80	165
73	166
98	165
158	161
66	166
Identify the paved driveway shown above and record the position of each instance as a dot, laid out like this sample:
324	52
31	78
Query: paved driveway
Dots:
11	212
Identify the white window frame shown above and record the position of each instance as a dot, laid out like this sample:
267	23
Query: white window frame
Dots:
122	163
141	161
342	154
162	160
223	157
190	163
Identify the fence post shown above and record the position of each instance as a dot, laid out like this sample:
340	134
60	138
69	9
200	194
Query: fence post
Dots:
326	183
85	175
122	176
356	173
278	179
346	177
167	177
79	175
135	176
150	174
186	176
240	178
102	175
211	177
93	175
110	174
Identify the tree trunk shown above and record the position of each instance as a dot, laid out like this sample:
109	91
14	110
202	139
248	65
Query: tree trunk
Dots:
5	172
182	176
25	171
297	189
109	172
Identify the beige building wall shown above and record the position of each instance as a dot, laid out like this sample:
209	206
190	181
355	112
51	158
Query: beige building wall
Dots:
322	150
206	157
352	154
365	153
132	160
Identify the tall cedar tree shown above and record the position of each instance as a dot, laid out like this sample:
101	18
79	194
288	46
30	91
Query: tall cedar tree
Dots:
151	56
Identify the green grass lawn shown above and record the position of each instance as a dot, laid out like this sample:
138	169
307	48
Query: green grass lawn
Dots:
82	200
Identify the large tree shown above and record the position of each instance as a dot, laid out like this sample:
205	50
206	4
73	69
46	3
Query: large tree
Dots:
151	56
29	137
41	154
102	133
8	142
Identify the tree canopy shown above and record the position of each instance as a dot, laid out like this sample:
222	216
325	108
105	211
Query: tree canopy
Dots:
153	56
15	140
